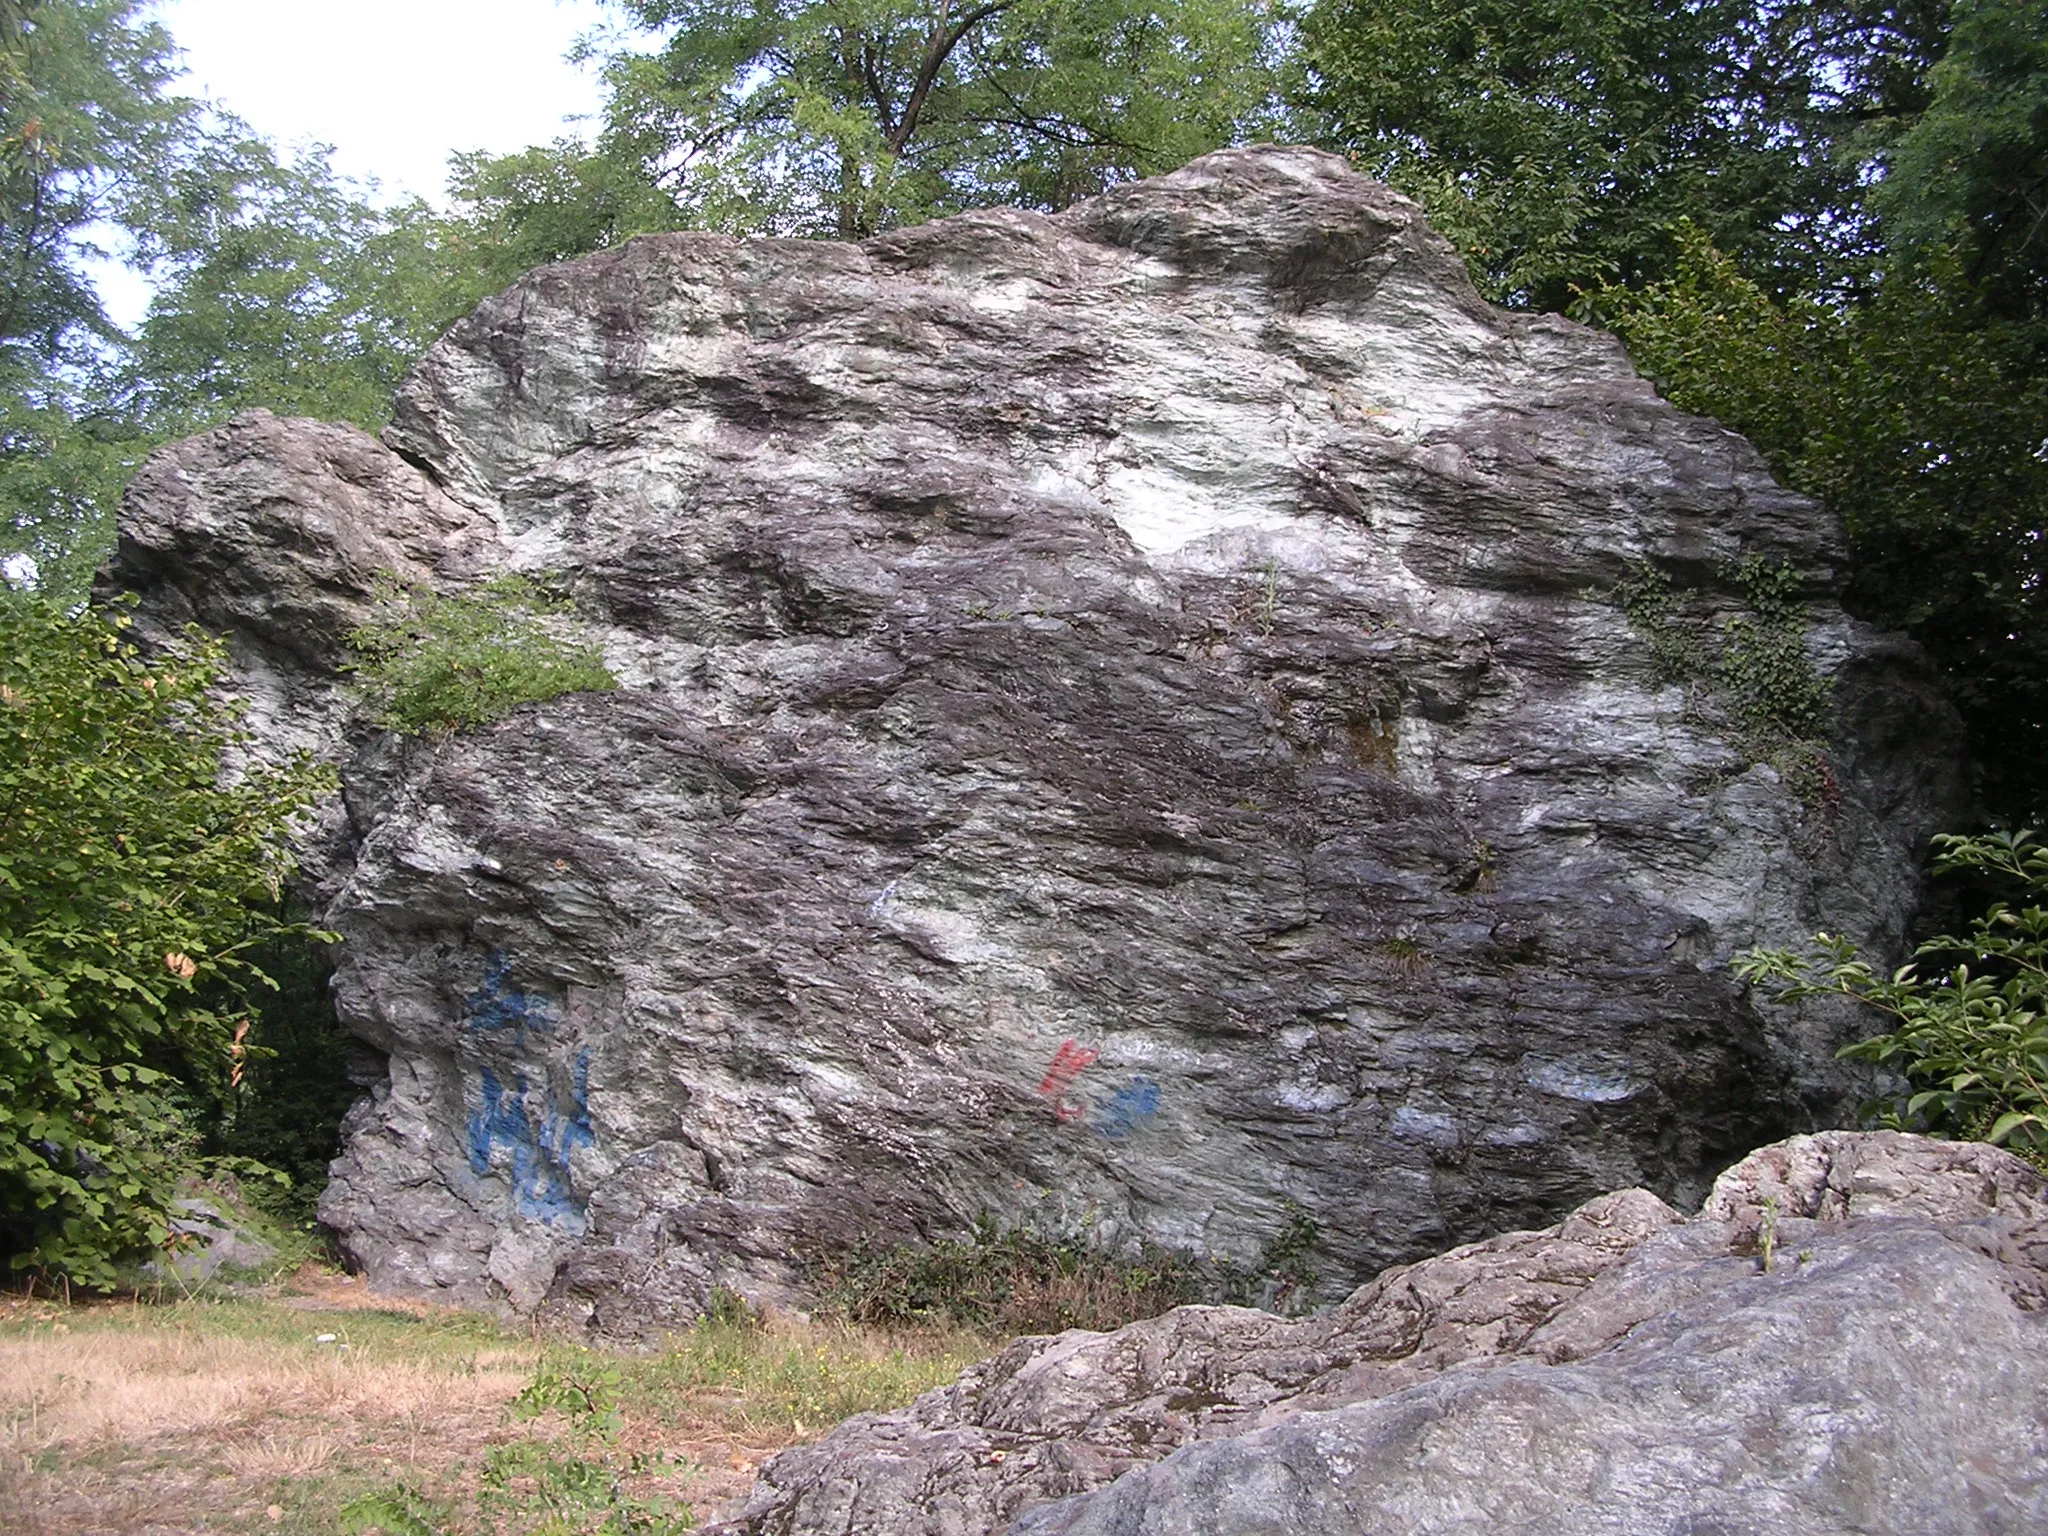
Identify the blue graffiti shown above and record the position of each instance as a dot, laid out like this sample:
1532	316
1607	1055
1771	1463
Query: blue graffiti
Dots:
527	1123
1130	1109
499	1004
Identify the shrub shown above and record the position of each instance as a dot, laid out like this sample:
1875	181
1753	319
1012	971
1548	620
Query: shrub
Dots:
433	663
136	876
1972	1041
1019	1281
1009	1282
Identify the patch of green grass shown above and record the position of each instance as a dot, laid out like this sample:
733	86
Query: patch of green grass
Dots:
429	663
800	1381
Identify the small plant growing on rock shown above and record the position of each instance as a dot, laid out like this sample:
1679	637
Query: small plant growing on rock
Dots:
1972	1041
1755	685
432	663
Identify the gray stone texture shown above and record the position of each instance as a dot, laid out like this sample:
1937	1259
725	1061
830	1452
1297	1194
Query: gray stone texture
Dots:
1183	627
1626	1371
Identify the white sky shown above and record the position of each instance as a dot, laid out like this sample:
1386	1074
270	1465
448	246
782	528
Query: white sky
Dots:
396	86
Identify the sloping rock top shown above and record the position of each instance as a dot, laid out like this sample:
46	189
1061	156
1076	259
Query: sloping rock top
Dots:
1851	1336
1128	720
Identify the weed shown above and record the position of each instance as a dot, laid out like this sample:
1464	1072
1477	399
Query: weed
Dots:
586	1394
400	1510
1021	1281
1971	1040
1758	686
430	663
1014	1282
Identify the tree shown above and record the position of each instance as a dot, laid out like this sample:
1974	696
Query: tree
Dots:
282	286
137	870
1558	144
1971	174
843	117
86	126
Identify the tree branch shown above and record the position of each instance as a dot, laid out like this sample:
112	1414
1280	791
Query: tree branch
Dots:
938	48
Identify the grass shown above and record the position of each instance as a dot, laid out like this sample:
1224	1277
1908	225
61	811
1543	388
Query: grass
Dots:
312	1409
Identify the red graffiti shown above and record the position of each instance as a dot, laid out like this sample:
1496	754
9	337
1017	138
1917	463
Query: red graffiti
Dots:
1068	1062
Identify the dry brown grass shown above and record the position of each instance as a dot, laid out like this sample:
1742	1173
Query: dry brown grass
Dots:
94	1386
134	1420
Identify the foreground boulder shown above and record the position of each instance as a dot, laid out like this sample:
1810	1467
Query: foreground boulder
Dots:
1849	1337
1129	719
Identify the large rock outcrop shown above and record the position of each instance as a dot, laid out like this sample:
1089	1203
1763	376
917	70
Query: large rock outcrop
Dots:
1851	1336
1128	719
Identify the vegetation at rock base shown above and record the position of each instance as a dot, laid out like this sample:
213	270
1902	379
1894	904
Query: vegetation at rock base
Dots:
1969	1039
340	1411
433	663
137	872
1019	1280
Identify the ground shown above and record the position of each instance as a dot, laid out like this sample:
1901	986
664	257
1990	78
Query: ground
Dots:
310	1406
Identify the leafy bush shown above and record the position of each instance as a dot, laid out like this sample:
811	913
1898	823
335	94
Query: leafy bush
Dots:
1971	1042
433	663
1918	417
136	876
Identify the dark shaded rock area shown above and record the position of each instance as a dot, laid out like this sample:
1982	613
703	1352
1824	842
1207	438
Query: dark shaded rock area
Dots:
1127	722
1627	1371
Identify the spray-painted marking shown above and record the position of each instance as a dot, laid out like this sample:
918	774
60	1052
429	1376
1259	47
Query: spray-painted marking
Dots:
523	1122
499	1004
1068	1063
1129	1110
540	1139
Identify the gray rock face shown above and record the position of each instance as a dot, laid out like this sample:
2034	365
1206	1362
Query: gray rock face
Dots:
1626	1371
1126	722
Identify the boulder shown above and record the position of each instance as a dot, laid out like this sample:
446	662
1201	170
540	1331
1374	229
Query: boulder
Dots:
1851	1336
1129	719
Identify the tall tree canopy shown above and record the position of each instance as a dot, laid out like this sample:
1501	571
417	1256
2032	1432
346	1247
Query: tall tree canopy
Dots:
1560	143
845	116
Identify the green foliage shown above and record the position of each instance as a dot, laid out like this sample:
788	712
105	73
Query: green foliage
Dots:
1972	1040
279	285
526	1486
847	116
1972	171
1767	680
586	1394
85	126
136	876
1558	144
434	663
1917	418
400	1510
1754	682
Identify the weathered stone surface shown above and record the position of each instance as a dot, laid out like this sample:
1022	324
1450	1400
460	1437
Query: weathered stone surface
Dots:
1182	627
1625	1371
